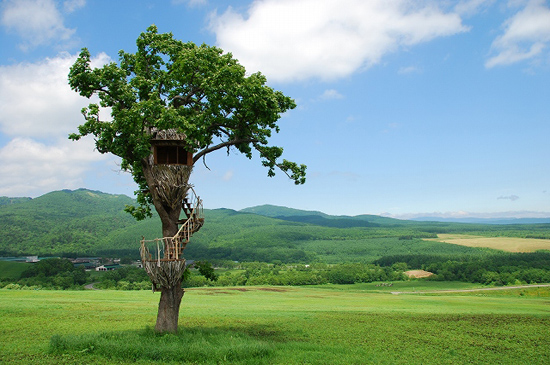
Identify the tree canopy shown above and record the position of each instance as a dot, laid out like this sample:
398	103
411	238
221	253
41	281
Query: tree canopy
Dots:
199	91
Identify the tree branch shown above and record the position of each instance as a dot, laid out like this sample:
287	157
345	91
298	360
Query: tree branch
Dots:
222	145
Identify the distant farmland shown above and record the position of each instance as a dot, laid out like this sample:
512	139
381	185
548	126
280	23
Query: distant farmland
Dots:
509	244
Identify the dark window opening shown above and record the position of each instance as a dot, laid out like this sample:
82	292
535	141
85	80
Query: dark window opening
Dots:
171	155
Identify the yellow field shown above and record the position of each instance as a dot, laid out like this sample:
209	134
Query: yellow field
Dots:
500	243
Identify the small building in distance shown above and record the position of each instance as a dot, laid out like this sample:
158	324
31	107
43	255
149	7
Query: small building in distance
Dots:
107	267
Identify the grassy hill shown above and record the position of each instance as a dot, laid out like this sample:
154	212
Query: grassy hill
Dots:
322	219
62	222
84	222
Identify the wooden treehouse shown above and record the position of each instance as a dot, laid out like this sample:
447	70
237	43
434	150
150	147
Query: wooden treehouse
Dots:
171	165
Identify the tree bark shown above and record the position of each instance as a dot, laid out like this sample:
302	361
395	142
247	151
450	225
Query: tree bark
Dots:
169	308
170	297
171	294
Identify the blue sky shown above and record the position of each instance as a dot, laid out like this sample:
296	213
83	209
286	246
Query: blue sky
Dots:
405	108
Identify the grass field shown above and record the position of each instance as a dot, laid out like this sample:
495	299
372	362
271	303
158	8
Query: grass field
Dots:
12	270
280	325
499	243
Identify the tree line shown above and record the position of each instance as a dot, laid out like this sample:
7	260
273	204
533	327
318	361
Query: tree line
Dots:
491	269
56	273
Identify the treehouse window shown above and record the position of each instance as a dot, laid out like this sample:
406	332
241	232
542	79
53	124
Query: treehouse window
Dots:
171	155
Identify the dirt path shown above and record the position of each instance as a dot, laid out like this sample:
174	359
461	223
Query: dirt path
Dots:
469	290
91	286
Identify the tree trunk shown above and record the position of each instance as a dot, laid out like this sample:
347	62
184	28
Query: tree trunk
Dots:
170	297
169	307
167	198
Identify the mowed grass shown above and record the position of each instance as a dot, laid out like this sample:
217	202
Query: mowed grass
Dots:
509	244
278	325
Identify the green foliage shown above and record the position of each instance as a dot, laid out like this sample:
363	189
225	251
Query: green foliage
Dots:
205	268
492	269
515	268
4	200
199	91
134	278
56	273
124	278
261	273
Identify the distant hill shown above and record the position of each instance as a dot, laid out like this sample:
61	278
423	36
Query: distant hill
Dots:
4	200
322	219
89	223
275	211
485	220
62	222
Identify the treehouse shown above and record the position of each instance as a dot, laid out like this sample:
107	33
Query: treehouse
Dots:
166	152
171	164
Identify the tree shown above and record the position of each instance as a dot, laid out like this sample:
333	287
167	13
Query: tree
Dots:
197	93
205	268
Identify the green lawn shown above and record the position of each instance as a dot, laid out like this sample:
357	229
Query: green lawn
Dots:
279	325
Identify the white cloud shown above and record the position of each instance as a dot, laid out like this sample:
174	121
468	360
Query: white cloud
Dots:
409	70
331	94
471	7
462	215
36	100
71	5
31	168
228	175
191	3
292	40
526	35
509	197
38	104
37	22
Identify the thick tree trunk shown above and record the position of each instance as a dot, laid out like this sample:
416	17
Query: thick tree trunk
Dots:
170	296
169	307
167	199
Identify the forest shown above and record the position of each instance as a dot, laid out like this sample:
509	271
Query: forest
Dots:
272	245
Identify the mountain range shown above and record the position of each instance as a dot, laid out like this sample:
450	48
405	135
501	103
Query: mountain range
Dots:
85	222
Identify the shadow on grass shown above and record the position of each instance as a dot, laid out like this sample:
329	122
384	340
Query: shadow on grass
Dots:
193	345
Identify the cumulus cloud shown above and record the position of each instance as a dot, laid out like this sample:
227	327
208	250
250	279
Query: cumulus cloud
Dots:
291	40
509	197
37	22
38	111
31	168
526	35
36	100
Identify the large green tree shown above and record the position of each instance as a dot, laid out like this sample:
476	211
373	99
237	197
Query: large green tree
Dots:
197	92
